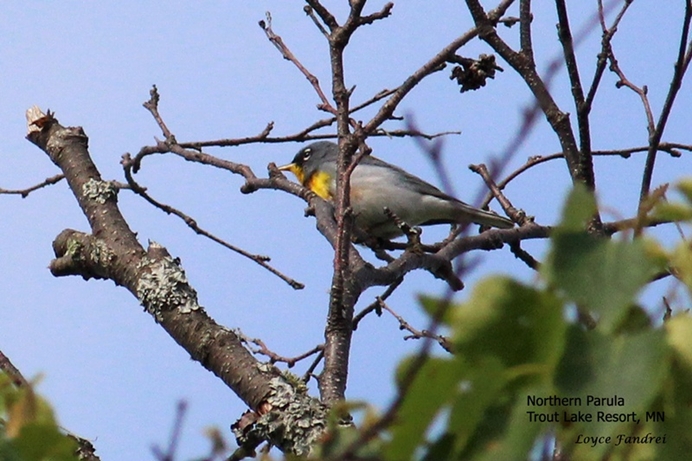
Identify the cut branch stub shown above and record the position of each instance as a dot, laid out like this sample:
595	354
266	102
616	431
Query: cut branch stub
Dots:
158	281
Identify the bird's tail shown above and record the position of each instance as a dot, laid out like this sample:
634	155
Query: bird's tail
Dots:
483	217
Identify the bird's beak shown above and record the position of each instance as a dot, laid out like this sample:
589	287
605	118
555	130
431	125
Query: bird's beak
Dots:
295	169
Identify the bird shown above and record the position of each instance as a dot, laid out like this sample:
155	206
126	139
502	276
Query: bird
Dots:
377	186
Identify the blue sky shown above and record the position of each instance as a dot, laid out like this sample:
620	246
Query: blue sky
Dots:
112	374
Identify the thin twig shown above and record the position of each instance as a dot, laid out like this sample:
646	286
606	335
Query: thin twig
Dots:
674	149
516	215
192	224
13	372
152	105
433	65
681	65
323	13
375	305
275	357
311	14
606	40
176	434
414	367
278	42
524	256
311	369
642	92
382	14
415	333
25	192
303	135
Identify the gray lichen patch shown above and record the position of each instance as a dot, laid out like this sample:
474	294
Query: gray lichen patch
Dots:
296	420
91	257
99	251
99	191
163	286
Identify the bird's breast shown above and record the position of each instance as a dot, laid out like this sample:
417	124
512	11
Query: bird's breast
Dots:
321	183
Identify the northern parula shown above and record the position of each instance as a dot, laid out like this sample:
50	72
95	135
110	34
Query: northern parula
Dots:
376	184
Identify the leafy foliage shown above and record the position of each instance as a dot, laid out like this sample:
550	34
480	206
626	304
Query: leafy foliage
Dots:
28	430
517	346
524	375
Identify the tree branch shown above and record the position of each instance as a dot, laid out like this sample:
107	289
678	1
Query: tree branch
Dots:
160	285
278	42
565	35
580	167
25	192
681	65
127	163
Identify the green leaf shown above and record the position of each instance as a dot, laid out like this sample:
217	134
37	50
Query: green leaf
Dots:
511	337
678	414
599	274
478	391
441	449
681	261
433	386
517	324
580	207
518	437
685	188
667	211
680	337
630	369
44	442
7	451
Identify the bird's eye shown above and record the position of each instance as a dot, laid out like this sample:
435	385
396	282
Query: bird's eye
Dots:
306	154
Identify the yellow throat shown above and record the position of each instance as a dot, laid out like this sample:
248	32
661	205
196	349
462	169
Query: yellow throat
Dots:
318	182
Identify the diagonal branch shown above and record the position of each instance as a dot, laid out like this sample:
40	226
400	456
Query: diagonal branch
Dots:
580	168
432	66
602	60
681	65
565	35
278	42
192	224
525	39
25	192
161	286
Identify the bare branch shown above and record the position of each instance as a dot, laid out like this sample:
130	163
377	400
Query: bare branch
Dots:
278	42
516	215
127	163
274	357
375	306
311	369
565	35
641	92
152	105
433	65
580	166
382	14
415	333
606	40
524	256
681	65
674	149
25	192
311	14
144	273
525	19
323	13
13	372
